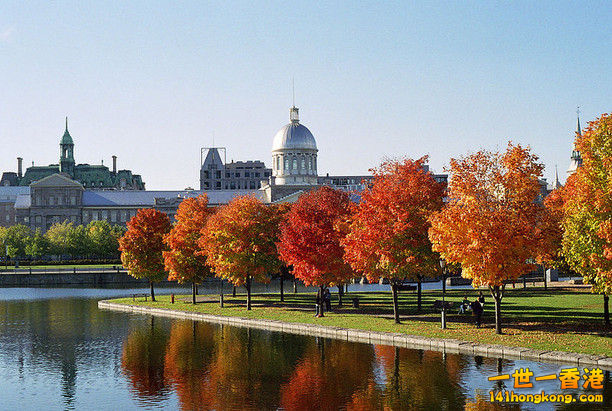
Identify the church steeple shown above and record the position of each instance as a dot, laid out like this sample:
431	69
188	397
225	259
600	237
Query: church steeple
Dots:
67	153
576	158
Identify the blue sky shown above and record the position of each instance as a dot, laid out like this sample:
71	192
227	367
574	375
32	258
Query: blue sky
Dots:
152	82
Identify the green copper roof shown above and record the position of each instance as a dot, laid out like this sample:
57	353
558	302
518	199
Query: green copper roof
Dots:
66	138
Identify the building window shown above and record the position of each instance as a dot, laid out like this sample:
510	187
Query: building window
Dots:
218	174
123	215
113	216
38	219
51	201
227	175
286	164
247	174
303	163
295	163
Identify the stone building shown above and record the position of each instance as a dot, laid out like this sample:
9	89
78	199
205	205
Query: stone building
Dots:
239	175
57	198
89	176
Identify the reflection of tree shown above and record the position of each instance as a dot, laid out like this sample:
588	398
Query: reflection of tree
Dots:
413	379
249	367
190	350
327	376
142	360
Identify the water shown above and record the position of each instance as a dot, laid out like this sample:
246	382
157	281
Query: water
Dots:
59	351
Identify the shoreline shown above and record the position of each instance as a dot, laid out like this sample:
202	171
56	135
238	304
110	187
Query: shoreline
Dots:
451	346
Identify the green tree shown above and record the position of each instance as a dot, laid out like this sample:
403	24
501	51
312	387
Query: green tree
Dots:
78	241
57	237
16	239
37	245
587	210
103	238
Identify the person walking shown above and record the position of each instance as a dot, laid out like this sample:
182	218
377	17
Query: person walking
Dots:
477	309
481	299
464	305
327	299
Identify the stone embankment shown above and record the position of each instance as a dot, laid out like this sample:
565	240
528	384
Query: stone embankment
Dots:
374	337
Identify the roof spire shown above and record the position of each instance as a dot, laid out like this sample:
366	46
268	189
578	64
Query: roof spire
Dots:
557	184
578	116
66	123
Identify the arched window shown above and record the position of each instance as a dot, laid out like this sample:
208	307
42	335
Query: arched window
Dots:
303	164
295	163
286	164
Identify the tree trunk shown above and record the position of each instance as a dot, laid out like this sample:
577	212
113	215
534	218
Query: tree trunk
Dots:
606	309
545	283
248	288
152	292
340	294
419	288
282	289
497	292
396	315
295	286
193	292
321	301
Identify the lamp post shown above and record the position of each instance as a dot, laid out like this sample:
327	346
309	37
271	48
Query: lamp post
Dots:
443	267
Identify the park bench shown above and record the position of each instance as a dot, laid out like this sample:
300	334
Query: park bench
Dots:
134	296
438	304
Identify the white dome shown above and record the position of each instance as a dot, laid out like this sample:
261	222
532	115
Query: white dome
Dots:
294	136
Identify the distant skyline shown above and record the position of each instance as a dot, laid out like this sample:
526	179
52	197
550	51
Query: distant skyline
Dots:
152	82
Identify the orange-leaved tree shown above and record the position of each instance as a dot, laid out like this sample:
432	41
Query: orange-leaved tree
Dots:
183	260
587	221
239	242
489	223
388	233
311	235
143	244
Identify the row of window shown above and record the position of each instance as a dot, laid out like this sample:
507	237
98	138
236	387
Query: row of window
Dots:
301	163
232	185
247	174
55	200
113	216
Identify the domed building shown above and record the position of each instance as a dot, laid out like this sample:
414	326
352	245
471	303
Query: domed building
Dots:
294	154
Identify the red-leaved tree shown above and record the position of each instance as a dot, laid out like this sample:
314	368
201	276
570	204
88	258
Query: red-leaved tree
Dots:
239	242
388	233
183	260
143	244
492	223
311	235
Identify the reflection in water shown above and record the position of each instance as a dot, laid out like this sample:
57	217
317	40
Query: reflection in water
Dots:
143	361
64	353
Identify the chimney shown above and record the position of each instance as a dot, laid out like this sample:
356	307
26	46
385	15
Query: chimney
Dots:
19	167
114	164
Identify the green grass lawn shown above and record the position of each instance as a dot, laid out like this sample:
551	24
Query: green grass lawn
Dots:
562	319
